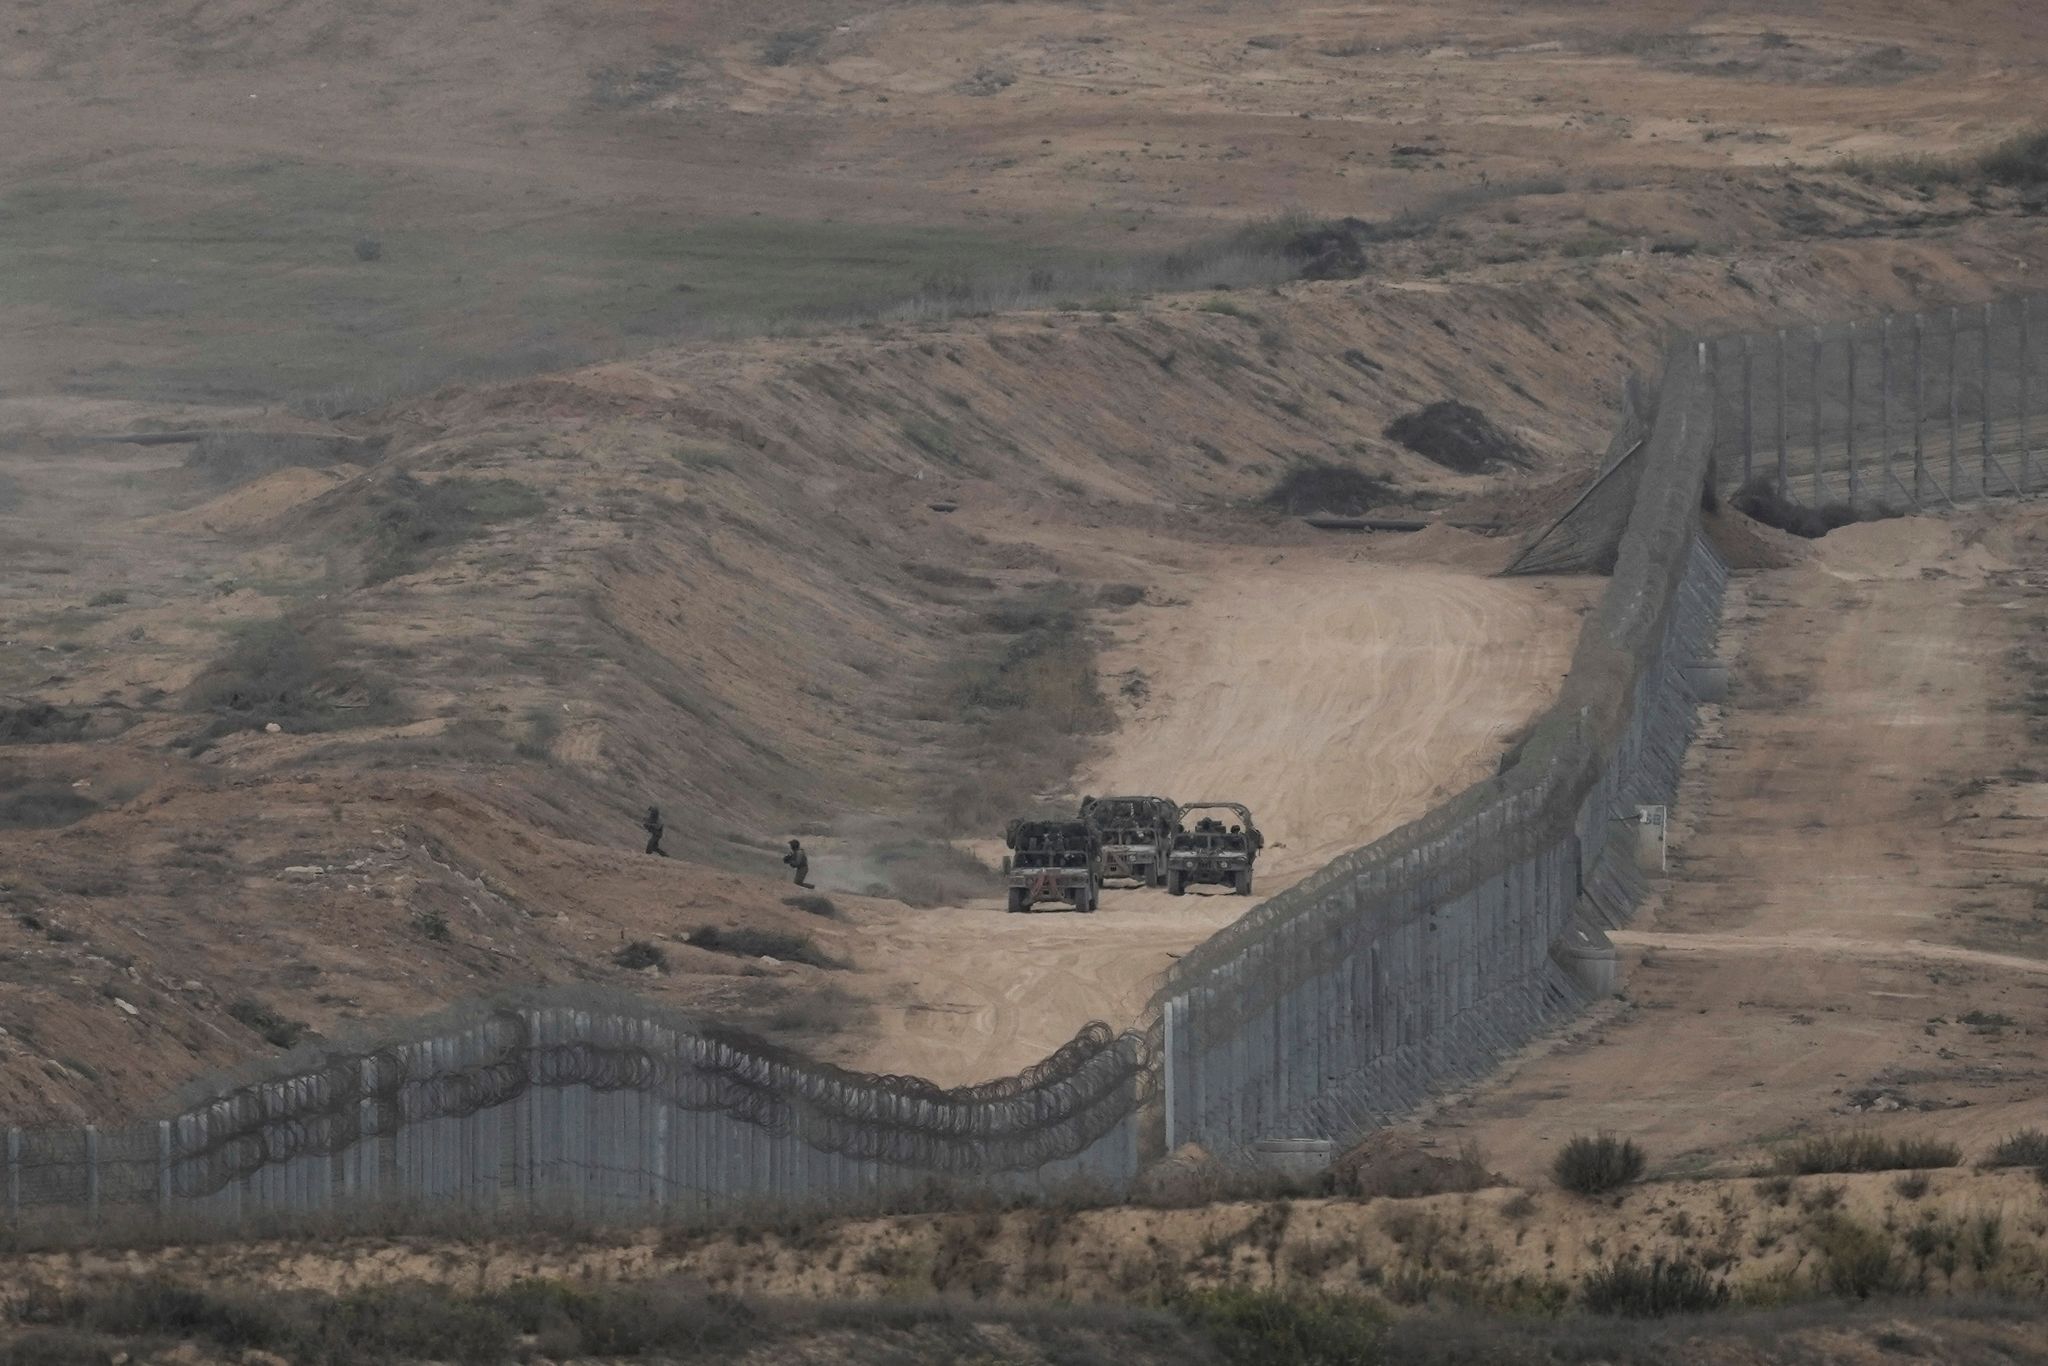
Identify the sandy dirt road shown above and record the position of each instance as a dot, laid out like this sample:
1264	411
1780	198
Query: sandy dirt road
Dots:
1853	931
1337	698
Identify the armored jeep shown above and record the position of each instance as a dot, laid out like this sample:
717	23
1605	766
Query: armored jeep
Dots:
1052	861
1213	850
1134	833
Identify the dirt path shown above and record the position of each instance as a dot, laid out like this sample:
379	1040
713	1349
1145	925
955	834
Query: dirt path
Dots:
1852	929
1337	698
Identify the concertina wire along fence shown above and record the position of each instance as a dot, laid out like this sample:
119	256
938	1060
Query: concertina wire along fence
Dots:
1324	1011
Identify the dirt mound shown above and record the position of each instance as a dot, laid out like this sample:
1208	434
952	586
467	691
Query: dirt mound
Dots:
1746	543
1459	437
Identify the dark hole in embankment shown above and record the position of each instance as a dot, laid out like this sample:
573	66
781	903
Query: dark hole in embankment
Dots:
1760	498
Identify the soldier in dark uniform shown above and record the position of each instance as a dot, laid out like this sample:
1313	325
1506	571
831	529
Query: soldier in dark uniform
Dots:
799	862
652	825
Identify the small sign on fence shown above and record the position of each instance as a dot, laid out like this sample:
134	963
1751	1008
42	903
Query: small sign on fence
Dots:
1651	837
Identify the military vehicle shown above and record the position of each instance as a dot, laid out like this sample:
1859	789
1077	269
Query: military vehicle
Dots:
1134	833
1052	861
1213	851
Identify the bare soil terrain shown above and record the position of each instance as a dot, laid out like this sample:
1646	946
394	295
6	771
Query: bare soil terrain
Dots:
1853	930
848	422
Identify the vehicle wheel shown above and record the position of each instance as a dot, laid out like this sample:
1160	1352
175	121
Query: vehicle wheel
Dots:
1016	900
1084	900
1244	882
1176	883
1158	875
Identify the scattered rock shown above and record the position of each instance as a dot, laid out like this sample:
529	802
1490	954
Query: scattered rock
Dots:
123	1006
272	728
303	872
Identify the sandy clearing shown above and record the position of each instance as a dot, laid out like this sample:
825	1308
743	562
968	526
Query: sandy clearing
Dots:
1338	698
1852	933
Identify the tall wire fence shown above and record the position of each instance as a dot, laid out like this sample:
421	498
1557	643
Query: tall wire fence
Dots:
1405	966
1900	412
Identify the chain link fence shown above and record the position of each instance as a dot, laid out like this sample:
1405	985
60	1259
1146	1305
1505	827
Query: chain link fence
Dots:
1323	1012
1895	413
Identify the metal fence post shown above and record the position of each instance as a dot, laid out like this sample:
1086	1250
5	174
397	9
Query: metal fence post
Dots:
1955	407
163	1166
1919	412
1849	425
1884	408
1748	412
1813	405
1984	406
13	1174
1784	415
2026	455
92	1173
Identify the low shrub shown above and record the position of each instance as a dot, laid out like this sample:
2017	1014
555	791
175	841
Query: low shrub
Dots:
1590	1166
1337	489
1857	1262
412	520
1636	1289
747	942
2027	1148
274	1028
640	955
288	670
1863	1151
1263	1328
812	904
41	804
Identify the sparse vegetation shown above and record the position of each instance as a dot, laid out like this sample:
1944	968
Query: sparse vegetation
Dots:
288	670
791	45
748	942
1460	438
1866	1152
1339	489
1266	1328
641	955
41	803
2026	1148
1633	1288
275	1028
812	904
2020	161
1592	1166
224	459
411	520
432	924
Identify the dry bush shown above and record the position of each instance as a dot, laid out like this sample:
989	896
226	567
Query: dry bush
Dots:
274	1028
748	942
411	521
1636	1289
640	955
813	904
1863	1151
1335	489
2027	1148
288	670
40	804
1591	1166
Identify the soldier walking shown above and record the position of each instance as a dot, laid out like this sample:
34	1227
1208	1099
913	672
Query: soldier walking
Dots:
799	863
652	825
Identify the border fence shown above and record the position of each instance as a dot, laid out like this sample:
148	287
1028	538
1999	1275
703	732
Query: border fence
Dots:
1897	412
1415	962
